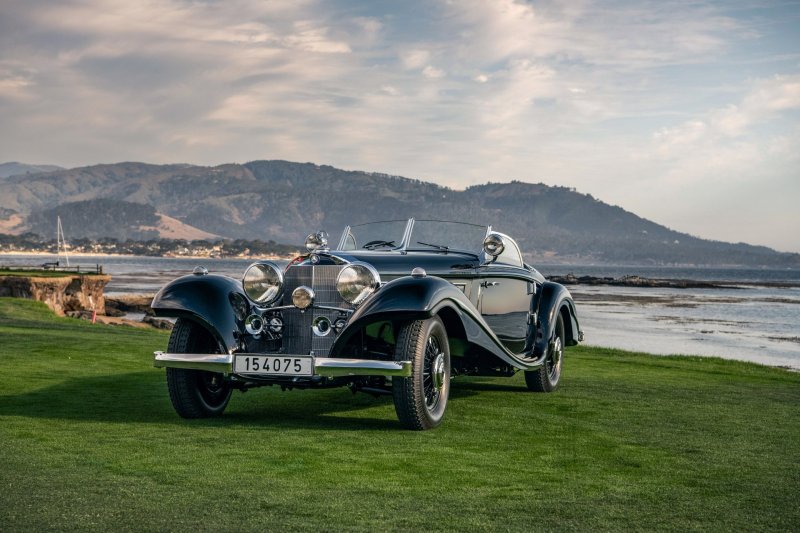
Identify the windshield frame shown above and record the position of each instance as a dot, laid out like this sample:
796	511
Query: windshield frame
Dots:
406	239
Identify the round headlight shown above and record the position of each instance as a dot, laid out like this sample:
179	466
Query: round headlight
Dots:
262	282
302	297
356	282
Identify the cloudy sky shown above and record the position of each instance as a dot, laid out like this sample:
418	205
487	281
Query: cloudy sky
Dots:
686	113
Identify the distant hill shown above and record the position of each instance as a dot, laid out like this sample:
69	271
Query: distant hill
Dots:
98	218
14	168
283	201
102	217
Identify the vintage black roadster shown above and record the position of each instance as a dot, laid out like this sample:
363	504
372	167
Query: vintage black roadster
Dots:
398	307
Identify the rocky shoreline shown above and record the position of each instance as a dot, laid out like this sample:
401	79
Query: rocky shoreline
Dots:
121	306
637	281
81	296
65	294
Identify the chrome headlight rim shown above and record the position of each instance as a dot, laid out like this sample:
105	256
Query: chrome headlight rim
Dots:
369	288
268	296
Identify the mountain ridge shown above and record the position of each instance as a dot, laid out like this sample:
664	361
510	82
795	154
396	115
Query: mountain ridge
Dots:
283	201
15	168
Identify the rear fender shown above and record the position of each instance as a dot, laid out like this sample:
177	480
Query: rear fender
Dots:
552	299
218	303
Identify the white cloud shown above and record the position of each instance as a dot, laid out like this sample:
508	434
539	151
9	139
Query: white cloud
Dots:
669	139
432	72
763	101
315	39
415	59
620	99
370	26
606	33
15	83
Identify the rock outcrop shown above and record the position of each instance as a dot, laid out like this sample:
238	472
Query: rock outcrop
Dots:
129	303
636	281
61	294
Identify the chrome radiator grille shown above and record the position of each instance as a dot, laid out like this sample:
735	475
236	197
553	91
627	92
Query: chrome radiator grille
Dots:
298	338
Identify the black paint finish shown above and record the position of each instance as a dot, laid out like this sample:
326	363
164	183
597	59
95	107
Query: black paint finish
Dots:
209	300
509	312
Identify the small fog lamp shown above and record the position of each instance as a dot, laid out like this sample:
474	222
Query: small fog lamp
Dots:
303	297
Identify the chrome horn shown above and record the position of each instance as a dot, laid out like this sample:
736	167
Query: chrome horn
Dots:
254	325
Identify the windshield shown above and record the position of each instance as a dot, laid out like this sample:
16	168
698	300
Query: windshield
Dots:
438	234
386	235
425	235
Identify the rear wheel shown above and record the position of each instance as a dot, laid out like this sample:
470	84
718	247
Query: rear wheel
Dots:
195	393
421	399
546	378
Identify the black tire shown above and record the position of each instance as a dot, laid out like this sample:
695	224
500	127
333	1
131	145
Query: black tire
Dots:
421	399
195	393
546	378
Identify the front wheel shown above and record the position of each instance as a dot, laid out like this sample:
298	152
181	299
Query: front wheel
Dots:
195	393
546	378
421	399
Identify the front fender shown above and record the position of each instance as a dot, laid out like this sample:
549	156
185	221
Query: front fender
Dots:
410	298
405	298
216	302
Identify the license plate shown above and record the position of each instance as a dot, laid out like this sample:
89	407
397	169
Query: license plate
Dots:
274	365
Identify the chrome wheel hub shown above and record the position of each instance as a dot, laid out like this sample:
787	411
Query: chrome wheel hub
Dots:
554	361
438	371
433	373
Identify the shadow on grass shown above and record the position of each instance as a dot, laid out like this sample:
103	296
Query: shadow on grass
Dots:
470	386
142	398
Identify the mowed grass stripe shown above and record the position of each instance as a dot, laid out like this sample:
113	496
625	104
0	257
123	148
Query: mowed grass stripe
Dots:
89	441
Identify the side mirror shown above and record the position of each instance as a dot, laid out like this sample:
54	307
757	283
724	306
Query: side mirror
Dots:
493	245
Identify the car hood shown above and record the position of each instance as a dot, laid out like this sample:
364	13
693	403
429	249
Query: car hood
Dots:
401	264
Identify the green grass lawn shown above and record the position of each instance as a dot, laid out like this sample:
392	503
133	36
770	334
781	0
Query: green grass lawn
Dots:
89	441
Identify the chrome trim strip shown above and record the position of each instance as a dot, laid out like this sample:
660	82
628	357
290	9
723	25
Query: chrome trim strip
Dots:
313	306
333	367
213	362
323	366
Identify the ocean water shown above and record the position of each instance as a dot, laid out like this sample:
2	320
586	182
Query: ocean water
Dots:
750	323
743	274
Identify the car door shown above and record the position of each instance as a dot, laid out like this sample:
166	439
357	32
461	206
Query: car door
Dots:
505	290
504	302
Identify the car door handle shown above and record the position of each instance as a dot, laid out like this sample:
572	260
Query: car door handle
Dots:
486	284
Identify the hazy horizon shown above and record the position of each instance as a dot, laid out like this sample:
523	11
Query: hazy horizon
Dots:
684	113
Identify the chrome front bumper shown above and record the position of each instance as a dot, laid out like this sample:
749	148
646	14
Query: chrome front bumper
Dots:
323	366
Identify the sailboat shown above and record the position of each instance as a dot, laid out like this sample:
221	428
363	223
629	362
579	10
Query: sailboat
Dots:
61	242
